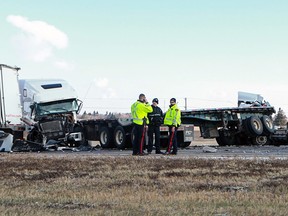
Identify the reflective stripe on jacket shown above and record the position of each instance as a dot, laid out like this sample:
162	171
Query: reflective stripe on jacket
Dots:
173	116
139	112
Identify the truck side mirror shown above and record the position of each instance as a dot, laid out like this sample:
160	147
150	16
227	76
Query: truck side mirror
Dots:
80	104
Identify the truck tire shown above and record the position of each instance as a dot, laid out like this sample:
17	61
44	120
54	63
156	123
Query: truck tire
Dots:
223	140
35	136
254	126
105	137
260	140
164	142
183	144
226	141
268	126
241	139
219	141
180	140
119	137
130	142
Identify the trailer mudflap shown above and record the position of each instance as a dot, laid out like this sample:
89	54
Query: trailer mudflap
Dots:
188	132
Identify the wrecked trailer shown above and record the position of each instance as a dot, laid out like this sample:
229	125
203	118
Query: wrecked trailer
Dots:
249	123
11	127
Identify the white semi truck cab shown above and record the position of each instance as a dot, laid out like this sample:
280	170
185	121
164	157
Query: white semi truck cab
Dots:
50	107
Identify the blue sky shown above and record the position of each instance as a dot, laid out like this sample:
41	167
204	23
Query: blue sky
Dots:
111	51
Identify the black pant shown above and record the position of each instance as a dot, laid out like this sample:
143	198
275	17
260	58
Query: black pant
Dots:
174	140
153	129
138	132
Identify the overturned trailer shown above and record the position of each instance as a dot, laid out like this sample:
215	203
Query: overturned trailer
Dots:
249	123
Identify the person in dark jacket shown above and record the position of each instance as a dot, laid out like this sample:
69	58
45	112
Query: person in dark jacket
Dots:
155	120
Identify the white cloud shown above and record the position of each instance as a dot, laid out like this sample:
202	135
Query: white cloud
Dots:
64	65
101	82
37	38
103	88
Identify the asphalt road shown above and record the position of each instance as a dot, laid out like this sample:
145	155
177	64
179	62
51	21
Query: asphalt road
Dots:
203	151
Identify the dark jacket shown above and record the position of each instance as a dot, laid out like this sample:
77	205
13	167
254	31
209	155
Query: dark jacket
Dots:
155	117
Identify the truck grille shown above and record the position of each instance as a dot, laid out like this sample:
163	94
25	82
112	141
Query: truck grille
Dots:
51	126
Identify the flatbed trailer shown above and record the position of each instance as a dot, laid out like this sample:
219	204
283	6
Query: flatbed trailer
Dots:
233	125
117	133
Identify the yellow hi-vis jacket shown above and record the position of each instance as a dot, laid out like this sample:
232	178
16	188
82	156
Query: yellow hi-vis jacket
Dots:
173	116
139	112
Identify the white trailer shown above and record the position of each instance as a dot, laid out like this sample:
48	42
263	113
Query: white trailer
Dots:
11	127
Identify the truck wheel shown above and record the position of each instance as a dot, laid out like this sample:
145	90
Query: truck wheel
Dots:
105	137
260	140
223	140
183	144
226	141
219	141
119	137
268	126
132	136
254	126
180	140
35	136
164	143
241	139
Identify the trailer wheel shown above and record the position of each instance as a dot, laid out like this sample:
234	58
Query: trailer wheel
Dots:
260	140
268	126
128	144
254	126
105	137
226	140
241	139
219	141
183	144
132	136
119	137
180	140
223	140
164	142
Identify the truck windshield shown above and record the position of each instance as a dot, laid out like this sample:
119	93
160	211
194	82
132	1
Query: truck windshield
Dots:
56	107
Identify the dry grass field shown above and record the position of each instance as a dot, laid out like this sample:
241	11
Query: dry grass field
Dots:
71	184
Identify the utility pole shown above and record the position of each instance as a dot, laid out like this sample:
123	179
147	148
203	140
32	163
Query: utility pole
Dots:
185	103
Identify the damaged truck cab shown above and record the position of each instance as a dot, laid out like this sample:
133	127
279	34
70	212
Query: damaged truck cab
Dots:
50	109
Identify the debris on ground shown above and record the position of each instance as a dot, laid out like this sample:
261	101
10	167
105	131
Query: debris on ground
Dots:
209	149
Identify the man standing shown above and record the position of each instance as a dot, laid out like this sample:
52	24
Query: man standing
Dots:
155	120
139	111
173	120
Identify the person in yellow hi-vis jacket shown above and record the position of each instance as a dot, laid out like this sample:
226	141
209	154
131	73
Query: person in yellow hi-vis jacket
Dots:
173	121
139	111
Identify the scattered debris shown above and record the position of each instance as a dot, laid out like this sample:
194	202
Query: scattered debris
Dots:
208	149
